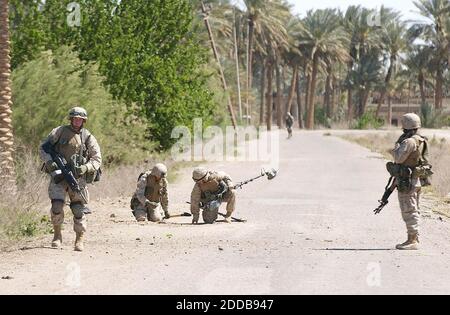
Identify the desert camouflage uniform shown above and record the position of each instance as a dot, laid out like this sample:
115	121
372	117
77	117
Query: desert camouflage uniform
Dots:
408	153
67	142
212	185
148	188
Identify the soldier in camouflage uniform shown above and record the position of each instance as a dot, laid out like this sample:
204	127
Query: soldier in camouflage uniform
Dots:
409	151
289	124
217	184
151	199
69	141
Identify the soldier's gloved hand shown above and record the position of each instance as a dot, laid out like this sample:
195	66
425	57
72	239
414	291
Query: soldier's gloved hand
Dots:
81	170
195	218
166	215
51	166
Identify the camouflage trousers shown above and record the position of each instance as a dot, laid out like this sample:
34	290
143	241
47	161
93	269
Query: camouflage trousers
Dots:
210	216
151	213
57	194
409	205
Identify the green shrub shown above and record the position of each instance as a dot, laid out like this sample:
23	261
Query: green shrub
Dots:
368	121
46	88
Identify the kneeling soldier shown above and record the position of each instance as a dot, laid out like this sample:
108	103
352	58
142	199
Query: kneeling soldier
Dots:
151	200
211	188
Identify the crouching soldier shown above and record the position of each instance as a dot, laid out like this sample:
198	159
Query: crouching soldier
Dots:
80	153
210	190
151	200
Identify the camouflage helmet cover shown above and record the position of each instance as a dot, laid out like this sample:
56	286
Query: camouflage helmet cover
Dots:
410	121
199	173
78	112
159	170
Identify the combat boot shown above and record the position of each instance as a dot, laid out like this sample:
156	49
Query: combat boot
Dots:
411	244
57	236
79	246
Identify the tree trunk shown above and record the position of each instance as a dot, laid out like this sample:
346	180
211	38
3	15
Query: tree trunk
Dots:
312	93
333	97
279	94
216	55
389	117
384	90
236	58
7	172
328	88
249	68
263	94
438	90
299	102
269	95
292	89
421	80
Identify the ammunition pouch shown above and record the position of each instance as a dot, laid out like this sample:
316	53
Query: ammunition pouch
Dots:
403	174
423	172
90	176
134	203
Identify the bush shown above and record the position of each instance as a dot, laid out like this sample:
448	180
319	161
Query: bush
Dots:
432	118
20	211
368	121
45	89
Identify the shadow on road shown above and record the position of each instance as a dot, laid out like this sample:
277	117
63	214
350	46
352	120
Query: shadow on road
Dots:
356	249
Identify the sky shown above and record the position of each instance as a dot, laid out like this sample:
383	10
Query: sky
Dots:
406	7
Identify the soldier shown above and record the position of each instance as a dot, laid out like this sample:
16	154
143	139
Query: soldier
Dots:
74	143
215	187
289	124
151	200
409	153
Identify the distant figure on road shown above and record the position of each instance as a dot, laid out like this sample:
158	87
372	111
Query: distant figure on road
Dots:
410	153
289	124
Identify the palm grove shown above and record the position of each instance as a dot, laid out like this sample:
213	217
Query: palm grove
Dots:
143	67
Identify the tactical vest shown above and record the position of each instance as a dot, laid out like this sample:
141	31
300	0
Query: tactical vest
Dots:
418	157
71	142
154	189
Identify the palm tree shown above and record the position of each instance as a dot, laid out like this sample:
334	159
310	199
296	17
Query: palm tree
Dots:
417	62
394	43
362	38
437	36
264	17
322	37
6	134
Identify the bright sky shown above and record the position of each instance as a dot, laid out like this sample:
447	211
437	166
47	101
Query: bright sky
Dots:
406	7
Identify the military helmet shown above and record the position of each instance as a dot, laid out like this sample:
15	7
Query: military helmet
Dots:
410	121
199	173
78	112
159	170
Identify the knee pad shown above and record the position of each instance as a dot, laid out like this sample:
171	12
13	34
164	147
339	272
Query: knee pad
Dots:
78	210
57	206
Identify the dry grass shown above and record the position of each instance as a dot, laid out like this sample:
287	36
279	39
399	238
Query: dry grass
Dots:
439	149
20	210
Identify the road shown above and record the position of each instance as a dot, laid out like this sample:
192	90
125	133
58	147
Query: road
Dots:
310	231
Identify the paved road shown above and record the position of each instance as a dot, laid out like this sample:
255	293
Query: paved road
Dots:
311	230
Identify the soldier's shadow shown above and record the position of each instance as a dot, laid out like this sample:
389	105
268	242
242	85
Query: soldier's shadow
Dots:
355	249
188	223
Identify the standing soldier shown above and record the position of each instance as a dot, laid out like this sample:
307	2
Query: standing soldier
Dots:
82	154
211	187
410	154
151	200
289	124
